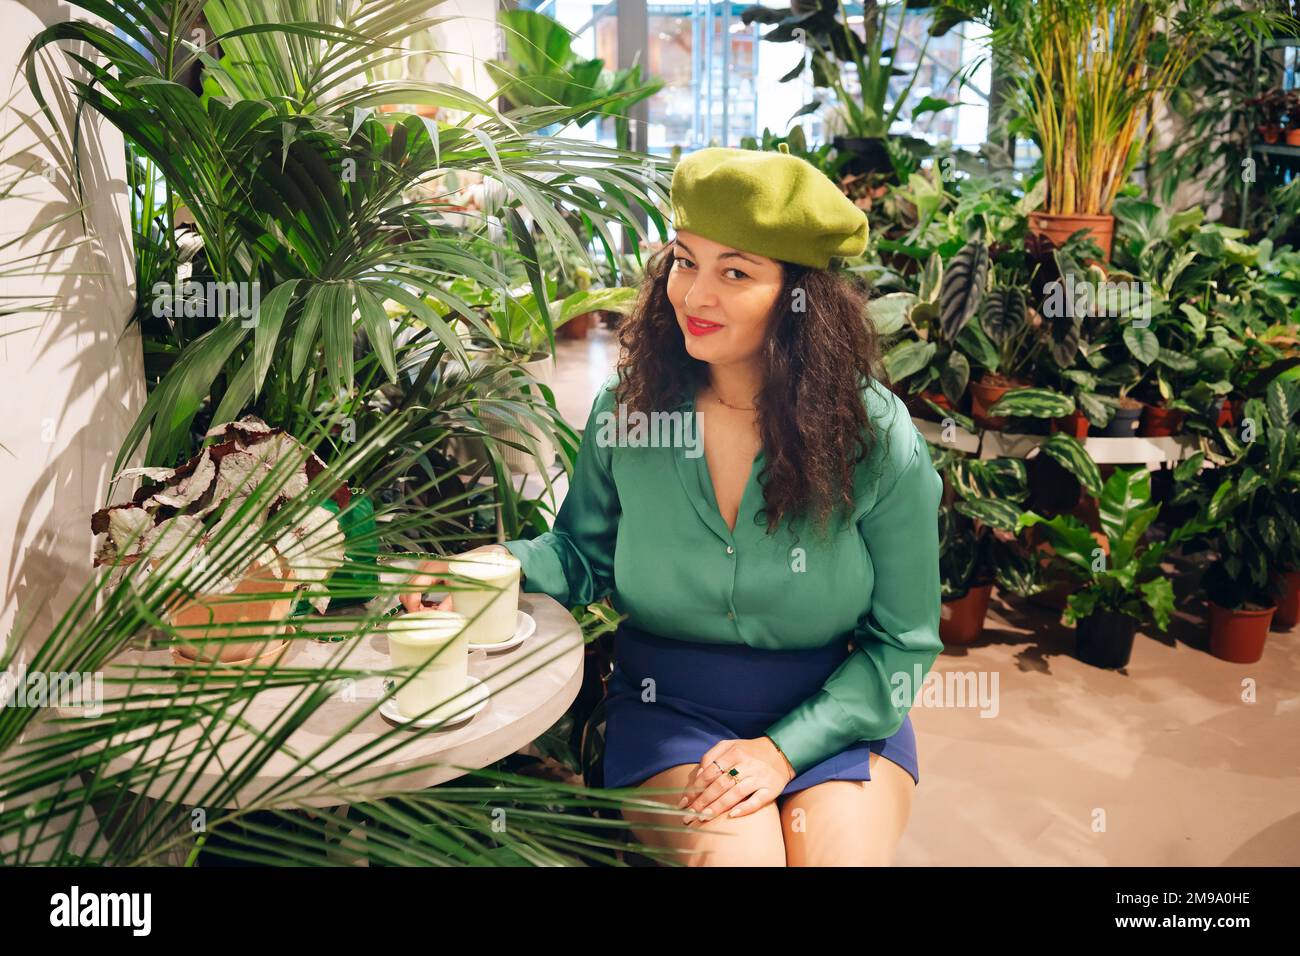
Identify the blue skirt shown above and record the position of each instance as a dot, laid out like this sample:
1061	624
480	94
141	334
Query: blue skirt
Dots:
705	692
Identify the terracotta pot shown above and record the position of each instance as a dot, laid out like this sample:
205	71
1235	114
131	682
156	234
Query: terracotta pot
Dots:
1270	134
984	396
917	406
962	621
1239	636
1074	424
1229	412
1161	422
1288	606
260	617
577	327
1293	137
1059	228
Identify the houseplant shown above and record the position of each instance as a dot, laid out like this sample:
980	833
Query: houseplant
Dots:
181	516
157	734
1248	516
542	70
298	193
978	533
1086	74
1120	582
521	332
834	45
1271	107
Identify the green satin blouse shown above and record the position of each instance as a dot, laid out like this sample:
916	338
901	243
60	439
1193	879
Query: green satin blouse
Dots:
640	524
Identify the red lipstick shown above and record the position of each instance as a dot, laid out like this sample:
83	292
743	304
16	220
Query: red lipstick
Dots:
701	326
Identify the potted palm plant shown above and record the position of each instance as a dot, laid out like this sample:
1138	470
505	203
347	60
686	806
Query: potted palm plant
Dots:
1086	75
1119	579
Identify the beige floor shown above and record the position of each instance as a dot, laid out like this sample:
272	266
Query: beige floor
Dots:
1181	759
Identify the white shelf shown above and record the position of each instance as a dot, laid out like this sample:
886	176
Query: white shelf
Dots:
1151	452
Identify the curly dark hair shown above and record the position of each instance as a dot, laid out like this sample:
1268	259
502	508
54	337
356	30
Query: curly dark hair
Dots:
814	424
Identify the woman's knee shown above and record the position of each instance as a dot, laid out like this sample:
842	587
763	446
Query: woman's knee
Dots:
754	839
849	822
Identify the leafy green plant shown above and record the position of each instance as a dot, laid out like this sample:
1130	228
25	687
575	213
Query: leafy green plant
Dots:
542	70
298	192
1248	503
833	44
76	777
1213	299
1086	74
1125	575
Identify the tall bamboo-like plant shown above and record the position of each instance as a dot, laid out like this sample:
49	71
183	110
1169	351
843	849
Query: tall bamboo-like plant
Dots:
1088	73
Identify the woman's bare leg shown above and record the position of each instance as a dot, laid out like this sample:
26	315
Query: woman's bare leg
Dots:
849	822
750	840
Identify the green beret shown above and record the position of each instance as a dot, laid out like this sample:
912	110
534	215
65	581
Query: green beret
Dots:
770	203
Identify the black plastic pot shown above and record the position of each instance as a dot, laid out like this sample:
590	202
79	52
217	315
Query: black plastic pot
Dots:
867	154
1105	638
1123	425
1052	489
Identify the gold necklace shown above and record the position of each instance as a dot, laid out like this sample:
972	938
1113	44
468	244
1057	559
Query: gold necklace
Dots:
737	408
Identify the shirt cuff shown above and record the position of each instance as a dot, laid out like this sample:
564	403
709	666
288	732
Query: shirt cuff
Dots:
804	734
541	567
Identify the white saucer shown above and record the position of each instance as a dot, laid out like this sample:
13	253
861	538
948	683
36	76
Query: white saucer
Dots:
476	693
524	628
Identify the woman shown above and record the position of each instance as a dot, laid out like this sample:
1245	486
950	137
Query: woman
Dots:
782	587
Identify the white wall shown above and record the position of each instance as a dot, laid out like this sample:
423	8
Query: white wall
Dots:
71	378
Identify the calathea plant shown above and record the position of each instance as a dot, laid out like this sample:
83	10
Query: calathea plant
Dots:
978	543
1250	500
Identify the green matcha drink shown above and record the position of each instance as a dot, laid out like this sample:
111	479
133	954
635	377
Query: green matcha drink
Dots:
489	597
437	643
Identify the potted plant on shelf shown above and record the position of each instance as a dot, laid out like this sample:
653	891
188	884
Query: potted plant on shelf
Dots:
1270	106
1021	335
1291	108
923	361
1086	75
1120	582
180	524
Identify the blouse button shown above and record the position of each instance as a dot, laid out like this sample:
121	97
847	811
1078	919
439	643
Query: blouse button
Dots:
730	550
731	615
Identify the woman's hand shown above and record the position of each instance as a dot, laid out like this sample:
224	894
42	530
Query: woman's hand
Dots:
763	774
428	575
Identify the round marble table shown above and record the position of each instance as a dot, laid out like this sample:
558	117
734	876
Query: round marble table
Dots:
532	685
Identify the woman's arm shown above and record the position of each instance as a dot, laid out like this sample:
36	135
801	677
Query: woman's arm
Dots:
897	641
574	561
